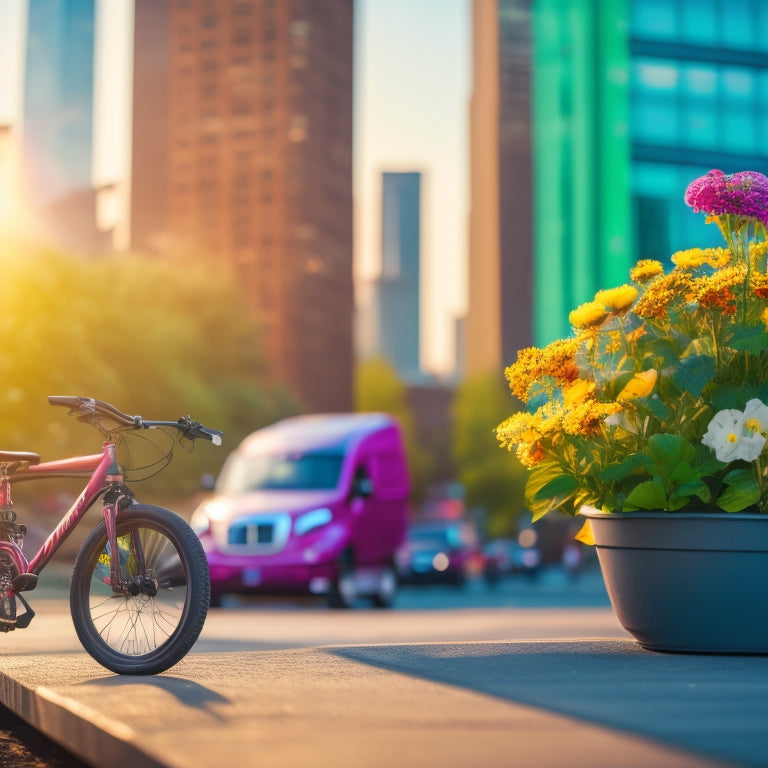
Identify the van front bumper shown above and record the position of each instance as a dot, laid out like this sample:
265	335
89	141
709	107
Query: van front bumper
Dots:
266	574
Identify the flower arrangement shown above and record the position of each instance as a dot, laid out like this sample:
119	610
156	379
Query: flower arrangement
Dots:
657	401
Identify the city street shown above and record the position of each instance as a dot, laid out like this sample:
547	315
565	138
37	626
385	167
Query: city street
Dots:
529	673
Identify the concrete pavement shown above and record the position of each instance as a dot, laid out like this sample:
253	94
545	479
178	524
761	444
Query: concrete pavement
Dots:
591	700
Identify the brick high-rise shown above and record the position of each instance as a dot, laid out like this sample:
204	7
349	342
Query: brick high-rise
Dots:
242	157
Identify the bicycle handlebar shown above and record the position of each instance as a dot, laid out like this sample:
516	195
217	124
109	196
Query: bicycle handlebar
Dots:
97	412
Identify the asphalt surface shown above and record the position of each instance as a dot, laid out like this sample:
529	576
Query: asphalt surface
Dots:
511	685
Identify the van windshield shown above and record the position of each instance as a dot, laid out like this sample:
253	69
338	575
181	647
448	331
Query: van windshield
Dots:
287	472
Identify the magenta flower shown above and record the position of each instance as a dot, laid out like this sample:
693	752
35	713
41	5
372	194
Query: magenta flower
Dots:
738	194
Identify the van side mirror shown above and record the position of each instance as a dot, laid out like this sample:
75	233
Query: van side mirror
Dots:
363	486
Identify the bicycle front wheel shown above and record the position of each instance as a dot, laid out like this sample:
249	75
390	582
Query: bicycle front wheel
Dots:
163	563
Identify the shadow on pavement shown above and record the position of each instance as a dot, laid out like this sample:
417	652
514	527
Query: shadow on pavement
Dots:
713	705
186	692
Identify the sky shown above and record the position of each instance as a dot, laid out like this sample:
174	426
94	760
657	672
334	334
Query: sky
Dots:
412	89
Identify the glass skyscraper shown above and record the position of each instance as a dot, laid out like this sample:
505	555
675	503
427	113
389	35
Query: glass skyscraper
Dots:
699	100
397	290
630	101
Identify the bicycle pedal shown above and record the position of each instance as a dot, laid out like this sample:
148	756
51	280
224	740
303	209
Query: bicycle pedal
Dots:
25	582
23	621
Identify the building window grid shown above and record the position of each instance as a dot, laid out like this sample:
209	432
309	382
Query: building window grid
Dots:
738	25
682	113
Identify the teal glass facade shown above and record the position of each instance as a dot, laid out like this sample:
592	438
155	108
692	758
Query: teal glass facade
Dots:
633	99
698	101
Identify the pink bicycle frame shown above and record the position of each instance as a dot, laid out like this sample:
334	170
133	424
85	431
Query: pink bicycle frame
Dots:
104	470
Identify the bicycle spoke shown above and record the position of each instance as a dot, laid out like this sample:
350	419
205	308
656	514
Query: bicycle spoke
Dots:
138	624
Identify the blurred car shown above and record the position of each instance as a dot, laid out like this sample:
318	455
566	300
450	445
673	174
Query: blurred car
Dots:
504	557
314	504
437	551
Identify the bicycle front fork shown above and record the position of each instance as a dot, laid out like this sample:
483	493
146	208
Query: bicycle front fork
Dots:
136	579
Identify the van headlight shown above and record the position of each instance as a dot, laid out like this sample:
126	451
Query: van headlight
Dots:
205	514
311	520
199	522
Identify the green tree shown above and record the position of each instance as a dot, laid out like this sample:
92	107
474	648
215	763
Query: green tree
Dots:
145	336
379	388
494	482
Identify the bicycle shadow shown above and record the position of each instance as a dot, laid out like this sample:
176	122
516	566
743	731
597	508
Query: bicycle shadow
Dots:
713	706
185	691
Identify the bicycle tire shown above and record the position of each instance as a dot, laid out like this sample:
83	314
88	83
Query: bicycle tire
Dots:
143	634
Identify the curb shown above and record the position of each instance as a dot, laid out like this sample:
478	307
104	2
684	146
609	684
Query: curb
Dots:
87	734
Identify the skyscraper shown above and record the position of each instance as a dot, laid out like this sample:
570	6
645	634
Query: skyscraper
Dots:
589	118
73	128
500	316
243	159
57	138
397	289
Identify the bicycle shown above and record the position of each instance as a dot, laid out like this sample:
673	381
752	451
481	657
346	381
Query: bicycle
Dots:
140	587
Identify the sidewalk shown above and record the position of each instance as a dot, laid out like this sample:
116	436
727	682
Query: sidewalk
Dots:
513	686
600	704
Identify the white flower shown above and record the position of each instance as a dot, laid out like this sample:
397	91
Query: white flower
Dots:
756	416
730	437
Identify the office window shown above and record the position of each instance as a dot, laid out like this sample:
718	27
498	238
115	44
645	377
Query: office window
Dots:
654	18
699	21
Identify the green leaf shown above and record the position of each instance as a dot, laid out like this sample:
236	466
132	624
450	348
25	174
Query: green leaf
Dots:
669	450
701	347
647	495
684	492
694	373
743	491
732	396
622	470
562	485
655	405
747	338
536	498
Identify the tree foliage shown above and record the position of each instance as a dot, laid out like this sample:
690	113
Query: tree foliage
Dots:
379	388
145	336
493	480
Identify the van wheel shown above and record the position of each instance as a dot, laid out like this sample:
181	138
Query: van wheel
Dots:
388	585
343	592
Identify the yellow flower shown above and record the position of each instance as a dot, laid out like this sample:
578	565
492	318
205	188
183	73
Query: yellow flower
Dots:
530	455
619	299
556	360
718	257
577	391
518	428
697	257
640	385
646	270
588	315
655	302
715	291
758	253
587	418
690	258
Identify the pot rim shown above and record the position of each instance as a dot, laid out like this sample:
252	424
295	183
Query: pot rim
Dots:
592	512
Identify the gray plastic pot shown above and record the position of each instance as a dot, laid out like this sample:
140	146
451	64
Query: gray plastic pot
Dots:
687	582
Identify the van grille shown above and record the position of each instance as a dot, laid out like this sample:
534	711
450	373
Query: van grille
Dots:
259	534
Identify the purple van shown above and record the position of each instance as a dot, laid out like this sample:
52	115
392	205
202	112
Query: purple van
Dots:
312	504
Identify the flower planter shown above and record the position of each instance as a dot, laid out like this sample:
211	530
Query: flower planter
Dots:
687	582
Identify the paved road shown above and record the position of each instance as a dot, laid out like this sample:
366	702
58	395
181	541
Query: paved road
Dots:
281	684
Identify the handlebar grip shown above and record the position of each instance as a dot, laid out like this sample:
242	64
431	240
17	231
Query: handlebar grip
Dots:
67	401
194	430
